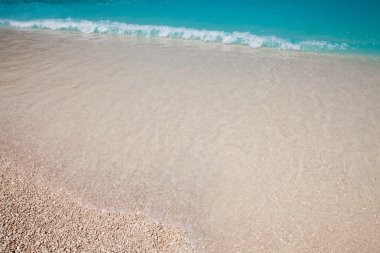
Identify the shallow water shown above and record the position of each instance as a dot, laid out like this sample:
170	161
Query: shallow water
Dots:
250	150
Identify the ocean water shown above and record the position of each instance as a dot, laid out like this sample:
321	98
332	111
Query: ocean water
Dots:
350	26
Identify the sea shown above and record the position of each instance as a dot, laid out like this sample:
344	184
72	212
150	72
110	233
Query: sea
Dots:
334	26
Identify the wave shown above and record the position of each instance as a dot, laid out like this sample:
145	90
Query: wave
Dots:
133	30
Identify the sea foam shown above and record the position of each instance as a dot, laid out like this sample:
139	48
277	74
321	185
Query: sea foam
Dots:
133	30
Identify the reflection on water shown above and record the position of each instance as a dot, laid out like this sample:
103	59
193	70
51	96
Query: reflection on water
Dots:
249	150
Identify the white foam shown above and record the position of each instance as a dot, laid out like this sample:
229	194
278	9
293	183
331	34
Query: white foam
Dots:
240	38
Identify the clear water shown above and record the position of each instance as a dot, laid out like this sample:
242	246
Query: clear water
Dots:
351	26
248	150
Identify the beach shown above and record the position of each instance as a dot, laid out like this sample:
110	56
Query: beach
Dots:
162	145
36	220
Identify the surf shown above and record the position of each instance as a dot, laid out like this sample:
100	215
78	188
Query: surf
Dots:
158	31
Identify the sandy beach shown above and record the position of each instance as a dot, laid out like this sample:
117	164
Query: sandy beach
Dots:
33	219
154	145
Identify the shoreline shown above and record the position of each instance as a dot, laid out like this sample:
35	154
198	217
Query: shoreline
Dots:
154	31
367	57
36	219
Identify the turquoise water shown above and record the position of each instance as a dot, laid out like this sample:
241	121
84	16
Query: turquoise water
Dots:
324	26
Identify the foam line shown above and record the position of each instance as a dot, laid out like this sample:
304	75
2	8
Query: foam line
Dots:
132	30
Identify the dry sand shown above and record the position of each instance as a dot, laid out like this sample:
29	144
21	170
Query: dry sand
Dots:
245	150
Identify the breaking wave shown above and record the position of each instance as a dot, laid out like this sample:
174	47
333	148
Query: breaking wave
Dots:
135	30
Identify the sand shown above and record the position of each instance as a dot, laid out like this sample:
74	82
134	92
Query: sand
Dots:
33	219
231	149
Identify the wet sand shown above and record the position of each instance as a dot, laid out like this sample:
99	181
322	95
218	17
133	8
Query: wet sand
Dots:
244	150
33	219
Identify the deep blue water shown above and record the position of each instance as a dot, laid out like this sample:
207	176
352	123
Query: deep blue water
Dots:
351	26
